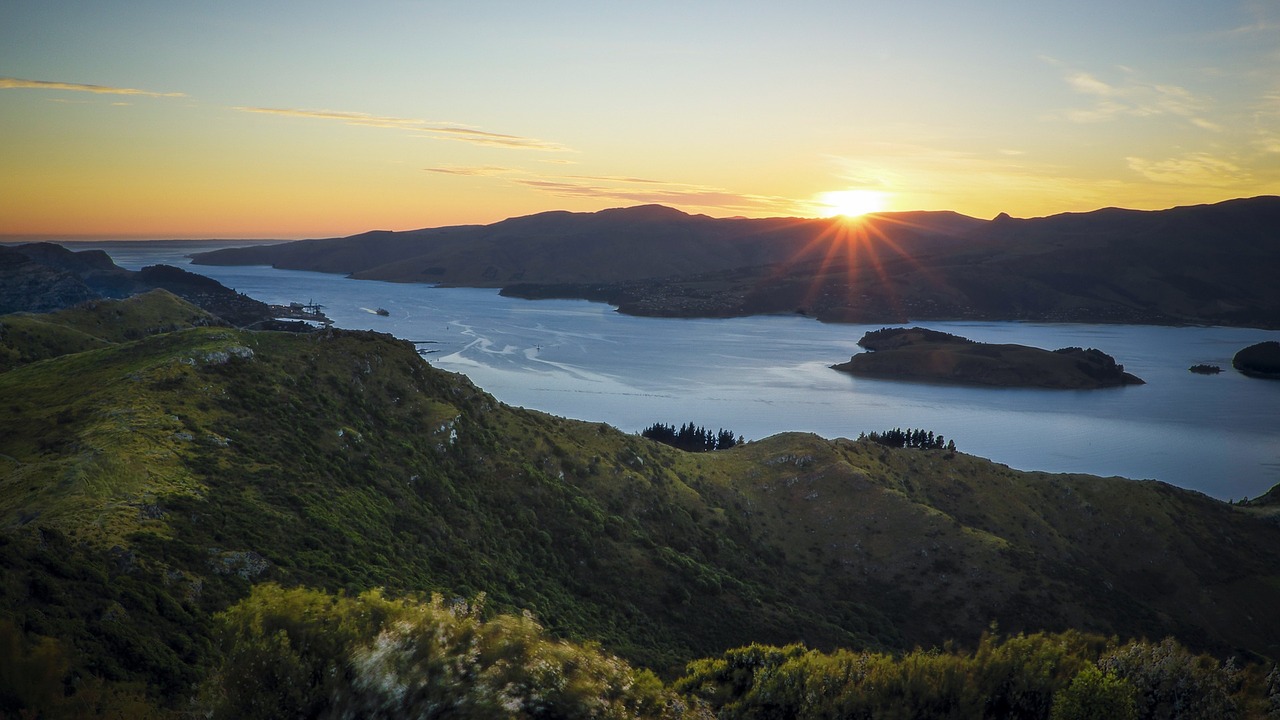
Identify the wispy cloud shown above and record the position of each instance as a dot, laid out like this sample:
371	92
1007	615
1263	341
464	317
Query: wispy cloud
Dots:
481	171
1200	169
1131	97
627	189
1263	23
436	129
1266	122
350	118
662	193
614	178
9	83
439	130
480	137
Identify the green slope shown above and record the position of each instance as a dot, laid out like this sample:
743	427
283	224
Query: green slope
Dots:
146	484
28	337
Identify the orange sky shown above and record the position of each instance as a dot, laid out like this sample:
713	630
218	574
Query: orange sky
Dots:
304	119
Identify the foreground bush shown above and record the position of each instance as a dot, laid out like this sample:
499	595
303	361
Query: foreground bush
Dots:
1063	676
303	653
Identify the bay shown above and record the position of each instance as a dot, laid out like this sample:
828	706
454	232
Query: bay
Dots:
763	375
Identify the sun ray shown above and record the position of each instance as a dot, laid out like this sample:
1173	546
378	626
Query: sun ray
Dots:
849	254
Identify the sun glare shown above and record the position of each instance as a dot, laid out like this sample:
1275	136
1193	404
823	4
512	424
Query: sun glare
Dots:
852	203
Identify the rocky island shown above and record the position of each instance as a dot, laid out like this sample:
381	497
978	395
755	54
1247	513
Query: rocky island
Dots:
920	354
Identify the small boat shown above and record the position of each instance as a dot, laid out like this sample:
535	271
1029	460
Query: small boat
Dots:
382	311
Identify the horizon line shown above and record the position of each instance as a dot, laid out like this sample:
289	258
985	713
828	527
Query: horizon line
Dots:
22	238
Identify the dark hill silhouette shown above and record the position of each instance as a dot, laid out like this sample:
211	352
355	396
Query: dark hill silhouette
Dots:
1259	360
616	245
41	277
1195	264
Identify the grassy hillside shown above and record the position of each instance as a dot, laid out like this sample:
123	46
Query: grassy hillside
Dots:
28	337
148	483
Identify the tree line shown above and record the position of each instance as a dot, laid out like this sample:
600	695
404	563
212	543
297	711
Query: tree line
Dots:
909	438
691	437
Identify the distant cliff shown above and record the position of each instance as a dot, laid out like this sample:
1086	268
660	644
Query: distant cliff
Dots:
1204	264
919	354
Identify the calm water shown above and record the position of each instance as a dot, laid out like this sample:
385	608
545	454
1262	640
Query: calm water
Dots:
764	375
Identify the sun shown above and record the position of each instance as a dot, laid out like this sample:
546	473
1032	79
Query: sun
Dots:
852	203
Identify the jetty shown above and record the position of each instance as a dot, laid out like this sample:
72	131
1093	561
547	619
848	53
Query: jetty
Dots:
311	312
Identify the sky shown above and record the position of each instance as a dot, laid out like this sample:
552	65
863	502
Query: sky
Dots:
177	119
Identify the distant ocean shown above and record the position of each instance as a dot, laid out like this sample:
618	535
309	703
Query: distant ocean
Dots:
758	376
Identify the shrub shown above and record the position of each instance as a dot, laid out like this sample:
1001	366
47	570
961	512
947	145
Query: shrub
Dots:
303	653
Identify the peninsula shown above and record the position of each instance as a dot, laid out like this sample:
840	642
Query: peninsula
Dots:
920	354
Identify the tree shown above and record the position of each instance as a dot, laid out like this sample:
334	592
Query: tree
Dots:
690	437
909	438
1095	694
1172	682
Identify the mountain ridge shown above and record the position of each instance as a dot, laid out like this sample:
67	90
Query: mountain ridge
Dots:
1195	264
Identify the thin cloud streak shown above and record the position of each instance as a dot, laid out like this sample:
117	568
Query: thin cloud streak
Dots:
480	137
438	130
351	118
1199	169
687	195
482	171
10	83
613	178
624	188
1133	98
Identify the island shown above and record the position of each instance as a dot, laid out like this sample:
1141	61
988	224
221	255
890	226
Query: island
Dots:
1261	360
923	355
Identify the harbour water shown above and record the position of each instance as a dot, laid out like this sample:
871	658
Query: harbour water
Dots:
757	376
